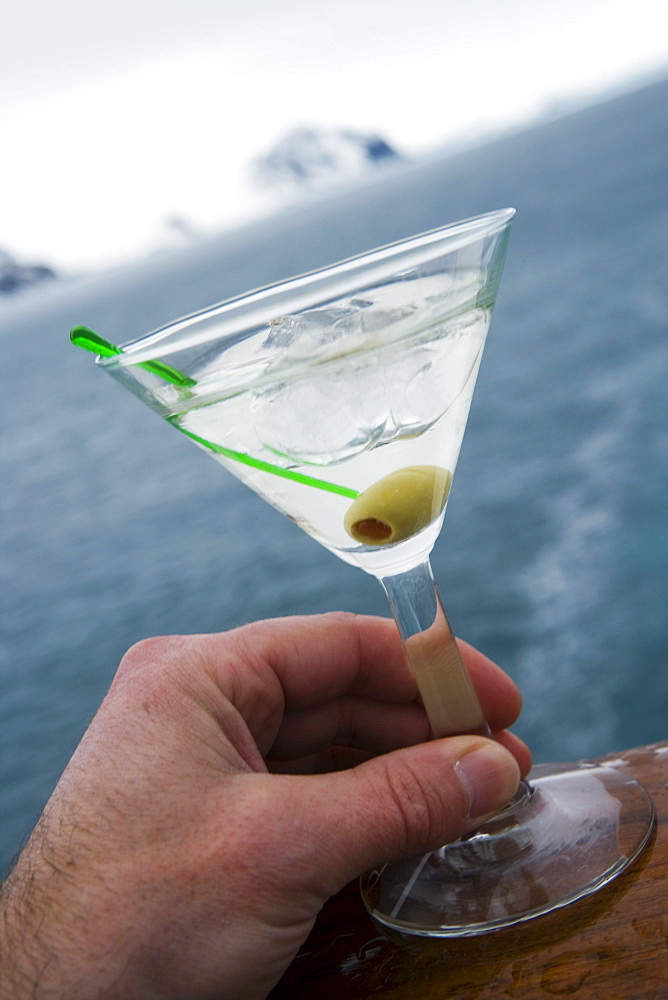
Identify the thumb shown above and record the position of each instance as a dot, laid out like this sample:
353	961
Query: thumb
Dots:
412	801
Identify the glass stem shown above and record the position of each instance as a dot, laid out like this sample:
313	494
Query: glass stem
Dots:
443	681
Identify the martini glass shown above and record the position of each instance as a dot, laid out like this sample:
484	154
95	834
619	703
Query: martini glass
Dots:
341	397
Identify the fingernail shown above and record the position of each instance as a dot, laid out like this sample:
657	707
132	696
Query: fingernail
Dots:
489	775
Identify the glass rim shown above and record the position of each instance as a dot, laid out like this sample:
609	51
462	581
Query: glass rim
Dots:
259	306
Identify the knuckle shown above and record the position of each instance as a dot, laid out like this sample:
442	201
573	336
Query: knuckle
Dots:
417	808
146	653
348	619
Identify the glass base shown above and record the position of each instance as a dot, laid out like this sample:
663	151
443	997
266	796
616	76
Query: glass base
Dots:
576	829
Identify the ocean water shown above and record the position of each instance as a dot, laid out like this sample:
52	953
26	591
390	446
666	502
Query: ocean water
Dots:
554	556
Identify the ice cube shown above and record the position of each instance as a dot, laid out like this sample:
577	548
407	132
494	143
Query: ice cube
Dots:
322	417
424	381
313	335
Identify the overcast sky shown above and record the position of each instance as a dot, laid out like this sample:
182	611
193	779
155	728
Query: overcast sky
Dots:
117	114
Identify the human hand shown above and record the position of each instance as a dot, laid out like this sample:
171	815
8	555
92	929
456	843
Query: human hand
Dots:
228	785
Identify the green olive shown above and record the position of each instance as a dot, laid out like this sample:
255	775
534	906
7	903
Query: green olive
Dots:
398	505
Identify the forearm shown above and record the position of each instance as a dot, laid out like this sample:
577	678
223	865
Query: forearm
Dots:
59	936
24	959
30	963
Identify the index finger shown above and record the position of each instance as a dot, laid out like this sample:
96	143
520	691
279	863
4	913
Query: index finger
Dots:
319	658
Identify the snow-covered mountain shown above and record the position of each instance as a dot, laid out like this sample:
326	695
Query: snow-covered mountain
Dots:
14	276
313	158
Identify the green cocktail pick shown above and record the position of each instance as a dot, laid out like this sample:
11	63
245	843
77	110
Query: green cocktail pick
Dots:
82	336
276	470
